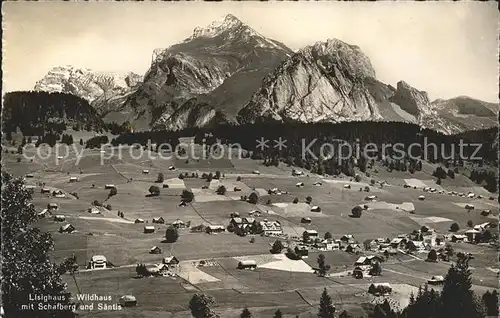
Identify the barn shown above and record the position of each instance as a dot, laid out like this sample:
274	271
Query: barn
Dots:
247	264
149	229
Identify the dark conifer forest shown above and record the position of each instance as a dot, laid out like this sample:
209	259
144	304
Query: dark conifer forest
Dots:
37	113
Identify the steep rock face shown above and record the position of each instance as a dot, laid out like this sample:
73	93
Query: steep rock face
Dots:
410	99
103	90
323	82
219	66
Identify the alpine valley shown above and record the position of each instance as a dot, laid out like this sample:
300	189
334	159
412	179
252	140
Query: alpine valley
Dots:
229	73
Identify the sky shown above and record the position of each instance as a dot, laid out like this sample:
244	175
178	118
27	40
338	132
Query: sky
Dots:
448	49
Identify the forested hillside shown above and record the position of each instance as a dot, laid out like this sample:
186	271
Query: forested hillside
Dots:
36	113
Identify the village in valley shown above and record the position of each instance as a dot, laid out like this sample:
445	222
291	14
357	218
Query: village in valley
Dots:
152	232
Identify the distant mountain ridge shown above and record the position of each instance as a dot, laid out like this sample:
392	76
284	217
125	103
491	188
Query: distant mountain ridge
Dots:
104	90
228	72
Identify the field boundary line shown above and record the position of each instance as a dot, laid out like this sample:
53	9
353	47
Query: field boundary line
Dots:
303	298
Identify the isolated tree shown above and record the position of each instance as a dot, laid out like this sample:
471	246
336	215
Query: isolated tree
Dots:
470	223
326	308
328	236
323	268
160	178
253	198
26	267
305	236
154	190
278	314
171	234
238	178
246	313
187	195
424	229
142	271
458	299
309	199
357	211
486	236
490	301
432	256
181	176
376	269
454	227
201	306
112	192
277	247
81	142
221	190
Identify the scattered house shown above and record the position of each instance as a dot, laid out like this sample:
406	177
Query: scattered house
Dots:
469	207
297	173
93	210
362	260
59	194
213	229
149	229
236	189
98	262
421	197
128	301
254	213
171	261
139	221
470	195
247	264
273	191
417	246
398	242
158	220
44	190
59	218
299	184
485	212
429	239
347	239
145	171
315	209
43	213
482	227
155	250
157	269
68	228
171	168
109	186
347	186
317	183
179	224
183	203
305	220
271	228
256	172
52	206
29	175
73	179
436	280
239	222
458	238
371	198
361	271
472	234
313	234
353	248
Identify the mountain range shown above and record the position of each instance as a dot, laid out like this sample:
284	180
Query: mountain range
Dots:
228	72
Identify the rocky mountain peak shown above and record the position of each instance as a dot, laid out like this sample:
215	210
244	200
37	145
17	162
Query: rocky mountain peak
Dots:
412	100
229	22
